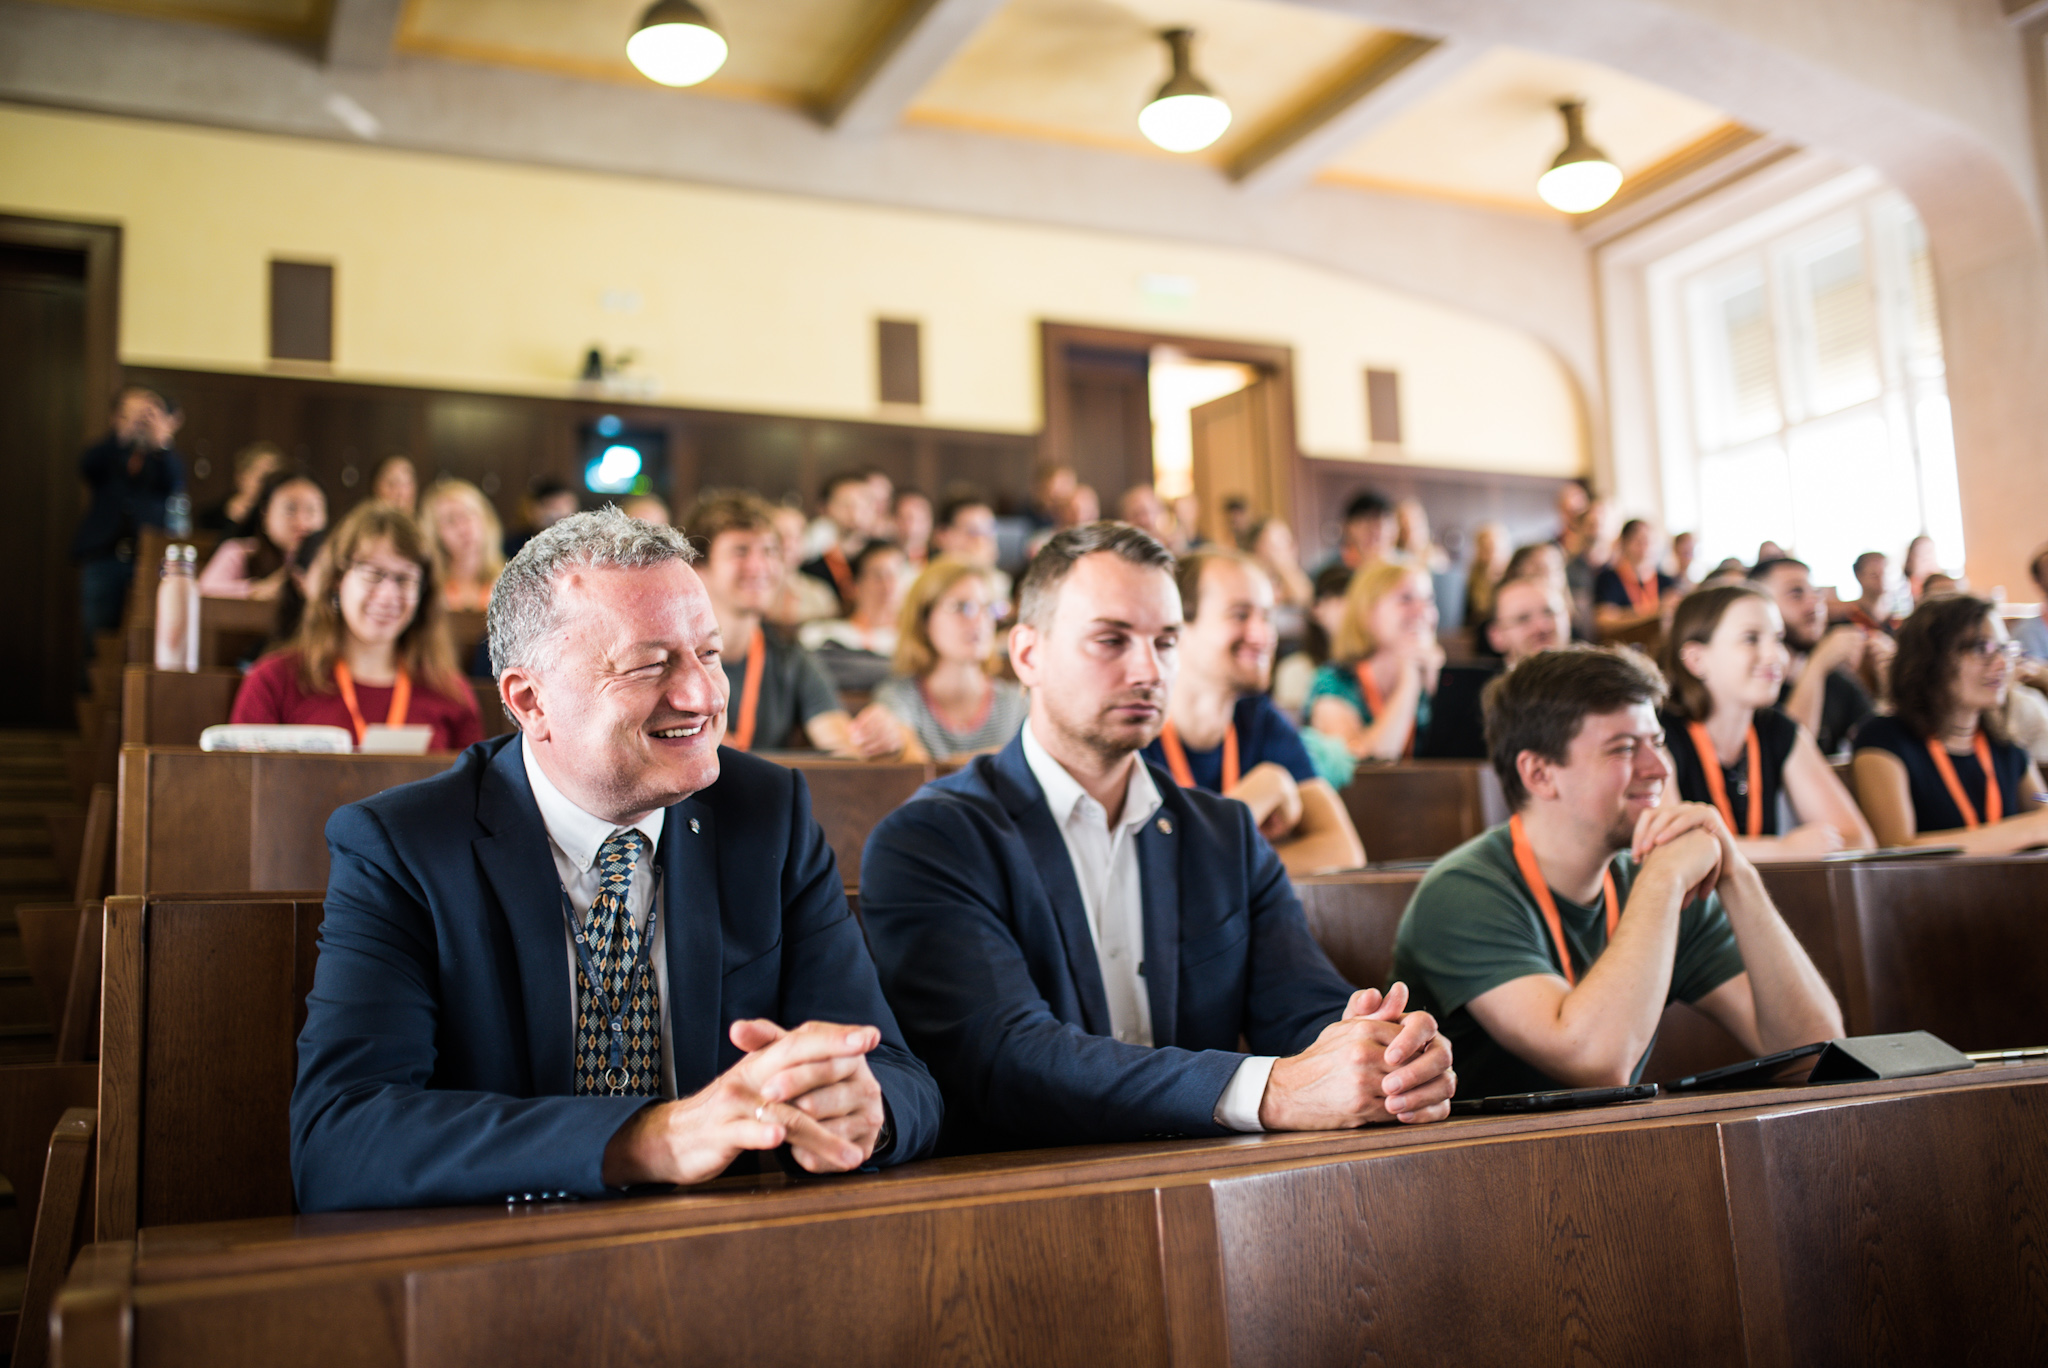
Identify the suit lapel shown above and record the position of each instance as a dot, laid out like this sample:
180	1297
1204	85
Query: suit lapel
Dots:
1025	801
516	860
1159	843
694	941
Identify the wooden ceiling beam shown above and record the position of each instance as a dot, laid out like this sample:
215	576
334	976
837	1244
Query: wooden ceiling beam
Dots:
1389	78
360	33
925	36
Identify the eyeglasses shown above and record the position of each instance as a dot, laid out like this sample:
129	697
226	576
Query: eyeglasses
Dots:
1988	649
968	608
407	582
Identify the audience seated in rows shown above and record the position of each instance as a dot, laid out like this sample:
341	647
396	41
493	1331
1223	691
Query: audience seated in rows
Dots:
598	952
549	499
1367	537
1222	733
290	507
777	686
910	518
1871	608
2032	632
234	515
1724	662
1941	770
371	647
1530	615
1080	949
854	650
397	482
1550	946
944	689
849	522
465	532
1375	695
1684	551
1833	673
1588	544
800	598
1920	561
966	531
1630	590
1270	542
1413	541
1295	675
1491	551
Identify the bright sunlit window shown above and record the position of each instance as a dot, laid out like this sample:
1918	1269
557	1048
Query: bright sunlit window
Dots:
1815	409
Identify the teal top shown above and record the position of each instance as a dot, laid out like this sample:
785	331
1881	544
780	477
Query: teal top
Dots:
1341	683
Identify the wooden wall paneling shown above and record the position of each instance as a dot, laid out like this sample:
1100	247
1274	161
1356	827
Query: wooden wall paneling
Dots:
1546	1250
172	707
1421	809
1354	917
1457	501
1895	1230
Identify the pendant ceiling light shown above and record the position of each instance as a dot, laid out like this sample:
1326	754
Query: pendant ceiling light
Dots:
676	44
1582	178
1185	116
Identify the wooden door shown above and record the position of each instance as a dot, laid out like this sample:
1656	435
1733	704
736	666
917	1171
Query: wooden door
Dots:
1109	402
1240	449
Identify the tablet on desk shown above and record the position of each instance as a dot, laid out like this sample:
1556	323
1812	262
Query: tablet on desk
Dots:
1559	1100
1786	1066
1893	853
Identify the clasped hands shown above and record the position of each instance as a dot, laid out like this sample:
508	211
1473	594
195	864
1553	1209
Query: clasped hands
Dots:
1378	1062
1691	841
810	1088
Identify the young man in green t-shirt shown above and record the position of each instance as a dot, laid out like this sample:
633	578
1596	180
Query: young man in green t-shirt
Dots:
1548	948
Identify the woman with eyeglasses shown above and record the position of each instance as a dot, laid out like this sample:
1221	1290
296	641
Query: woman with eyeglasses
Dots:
944	690
371	647
1941	770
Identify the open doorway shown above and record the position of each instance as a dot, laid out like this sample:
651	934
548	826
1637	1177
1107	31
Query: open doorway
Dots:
1188	415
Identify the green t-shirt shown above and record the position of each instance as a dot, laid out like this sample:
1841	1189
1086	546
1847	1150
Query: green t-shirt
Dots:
1472	926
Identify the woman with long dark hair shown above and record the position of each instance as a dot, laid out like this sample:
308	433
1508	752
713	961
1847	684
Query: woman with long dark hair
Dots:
1941	770
290	507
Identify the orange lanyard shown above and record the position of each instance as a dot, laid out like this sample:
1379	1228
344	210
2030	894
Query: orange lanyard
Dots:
1377	702
842	573
1177	759
401	699
1865	620
741	735
1637	591
1994	801
1717	786
1532	875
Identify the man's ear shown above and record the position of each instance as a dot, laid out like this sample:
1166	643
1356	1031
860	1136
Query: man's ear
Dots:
1493	640
1024	652
1539	776
520	691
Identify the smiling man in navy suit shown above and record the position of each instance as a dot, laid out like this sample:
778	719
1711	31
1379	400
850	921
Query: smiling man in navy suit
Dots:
600	952
1076	945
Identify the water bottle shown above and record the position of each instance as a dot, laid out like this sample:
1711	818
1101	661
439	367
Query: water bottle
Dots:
178	515
177	610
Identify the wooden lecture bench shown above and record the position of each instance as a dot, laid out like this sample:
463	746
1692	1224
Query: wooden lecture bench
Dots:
1895	1221
1420	809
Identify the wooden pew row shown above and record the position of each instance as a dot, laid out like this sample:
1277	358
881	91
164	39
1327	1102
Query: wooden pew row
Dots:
850	797
172	707
1420	809
1762	1227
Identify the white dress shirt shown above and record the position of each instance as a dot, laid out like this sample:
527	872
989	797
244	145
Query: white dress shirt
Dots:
1105	860
574	839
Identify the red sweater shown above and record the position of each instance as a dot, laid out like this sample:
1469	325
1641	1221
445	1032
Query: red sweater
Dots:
273	693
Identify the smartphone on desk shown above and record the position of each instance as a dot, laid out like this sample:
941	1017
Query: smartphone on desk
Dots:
1562	1099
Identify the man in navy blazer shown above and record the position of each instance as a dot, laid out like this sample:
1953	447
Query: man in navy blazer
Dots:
455	1049
1080	949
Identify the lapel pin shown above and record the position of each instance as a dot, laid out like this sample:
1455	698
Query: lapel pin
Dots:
693	825
1165	827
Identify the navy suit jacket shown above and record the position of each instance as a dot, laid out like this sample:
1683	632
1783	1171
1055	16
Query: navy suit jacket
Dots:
981	937
435	1064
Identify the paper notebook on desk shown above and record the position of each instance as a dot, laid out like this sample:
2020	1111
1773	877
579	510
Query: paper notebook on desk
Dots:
379	739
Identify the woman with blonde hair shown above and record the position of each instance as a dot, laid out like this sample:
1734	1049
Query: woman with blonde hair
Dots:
1375	696
371	647
466	532
943	689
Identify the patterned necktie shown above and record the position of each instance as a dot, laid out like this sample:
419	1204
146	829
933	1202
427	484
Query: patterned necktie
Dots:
614	943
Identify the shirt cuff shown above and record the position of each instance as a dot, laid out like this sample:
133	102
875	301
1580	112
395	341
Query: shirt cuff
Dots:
1238	1108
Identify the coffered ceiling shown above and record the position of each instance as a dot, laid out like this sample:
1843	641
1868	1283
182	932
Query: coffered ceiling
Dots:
1315	95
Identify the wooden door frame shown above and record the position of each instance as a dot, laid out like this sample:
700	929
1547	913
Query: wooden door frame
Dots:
101	244
1275	363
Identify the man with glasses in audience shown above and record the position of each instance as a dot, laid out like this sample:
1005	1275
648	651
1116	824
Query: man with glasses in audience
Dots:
1080	948
1530	614
600	952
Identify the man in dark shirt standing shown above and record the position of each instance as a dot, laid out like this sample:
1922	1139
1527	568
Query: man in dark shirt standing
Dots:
132	474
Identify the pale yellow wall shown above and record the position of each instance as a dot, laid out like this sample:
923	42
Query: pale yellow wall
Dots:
466	274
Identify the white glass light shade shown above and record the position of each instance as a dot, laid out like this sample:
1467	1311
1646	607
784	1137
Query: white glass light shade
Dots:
1184	123
1579	187
676	44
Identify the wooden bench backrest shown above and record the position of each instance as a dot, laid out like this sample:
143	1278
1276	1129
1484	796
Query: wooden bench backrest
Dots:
1354	917
171	707
848	798
232	630
237	820
1958	948
204	997
1421	809
465	630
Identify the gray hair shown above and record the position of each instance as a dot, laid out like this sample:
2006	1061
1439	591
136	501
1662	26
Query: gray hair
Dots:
522	612
1039	593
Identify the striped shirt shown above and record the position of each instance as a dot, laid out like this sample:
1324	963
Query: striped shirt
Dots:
1005	715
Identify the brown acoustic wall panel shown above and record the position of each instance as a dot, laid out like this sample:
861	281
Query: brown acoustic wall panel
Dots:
898	349
1383	406
301	311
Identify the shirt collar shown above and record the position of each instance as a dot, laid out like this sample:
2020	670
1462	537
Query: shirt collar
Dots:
579	834
1063	792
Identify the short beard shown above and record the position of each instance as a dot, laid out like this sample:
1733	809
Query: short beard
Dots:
1106	746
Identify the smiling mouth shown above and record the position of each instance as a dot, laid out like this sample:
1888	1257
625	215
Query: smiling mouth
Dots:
679	733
